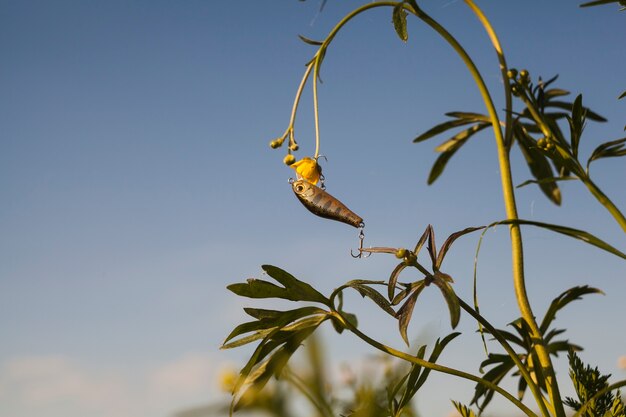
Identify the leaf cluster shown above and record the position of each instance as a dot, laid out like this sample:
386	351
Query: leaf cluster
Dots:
502	364
550	156
589	384
409	292
280	333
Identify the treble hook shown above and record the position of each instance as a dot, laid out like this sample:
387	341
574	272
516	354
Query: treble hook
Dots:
361	238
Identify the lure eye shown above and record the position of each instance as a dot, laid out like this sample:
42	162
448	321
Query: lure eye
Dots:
299	188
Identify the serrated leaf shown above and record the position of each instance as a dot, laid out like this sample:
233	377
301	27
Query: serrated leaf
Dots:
451	300
375	296
258	288
399	22
298	290
310	41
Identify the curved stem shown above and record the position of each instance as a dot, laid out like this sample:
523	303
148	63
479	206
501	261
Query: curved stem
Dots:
319	403
439	368
296	101
508	133
319	57
316	116
511	212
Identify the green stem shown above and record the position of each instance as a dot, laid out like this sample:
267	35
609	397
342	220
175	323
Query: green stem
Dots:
296	101
319	57
512	354
508	192
439	368
319	403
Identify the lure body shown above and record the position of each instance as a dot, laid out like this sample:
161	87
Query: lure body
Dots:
322	204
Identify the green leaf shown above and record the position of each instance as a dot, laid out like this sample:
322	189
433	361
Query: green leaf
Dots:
576	123
269	319
494	375
450	147
610	149
374	295
451	300
437	350
622	95
469	116
442	127
538	165
598	3
567	231
545	180
406	311
399	22
310	41
393	279
301	289
277	361
568	106
566	297
350	318
555	92
454	236
463	410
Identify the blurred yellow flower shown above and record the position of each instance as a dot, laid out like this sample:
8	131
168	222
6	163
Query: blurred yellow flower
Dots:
308	169
227	379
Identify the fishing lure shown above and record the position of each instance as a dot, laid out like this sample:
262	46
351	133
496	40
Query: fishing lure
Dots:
322	204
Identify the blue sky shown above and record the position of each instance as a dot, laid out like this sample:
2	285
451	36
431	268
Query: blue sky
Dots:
137	182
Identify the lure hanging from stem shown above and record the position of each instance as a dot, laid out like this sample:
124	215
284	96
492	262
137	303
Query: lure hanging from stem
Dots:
322	204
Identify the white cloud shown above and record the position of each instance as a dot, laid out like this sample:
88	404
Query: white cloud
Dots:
60	386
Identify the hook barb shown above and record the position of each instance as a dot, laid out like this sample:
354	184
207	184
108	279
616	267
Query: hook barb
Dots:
361	238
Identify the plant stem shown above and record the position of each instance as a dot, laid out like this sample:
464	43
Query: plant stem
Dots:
439	368
511	212
319	403
512	354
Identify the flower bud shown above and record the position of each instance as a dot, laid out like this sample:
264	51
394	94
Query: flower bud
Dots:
289	159
400	253
512	73
524	76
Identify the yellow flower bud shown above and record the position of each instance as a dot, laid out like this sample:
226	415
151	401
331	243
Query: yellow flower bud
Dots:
308	169
289	159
